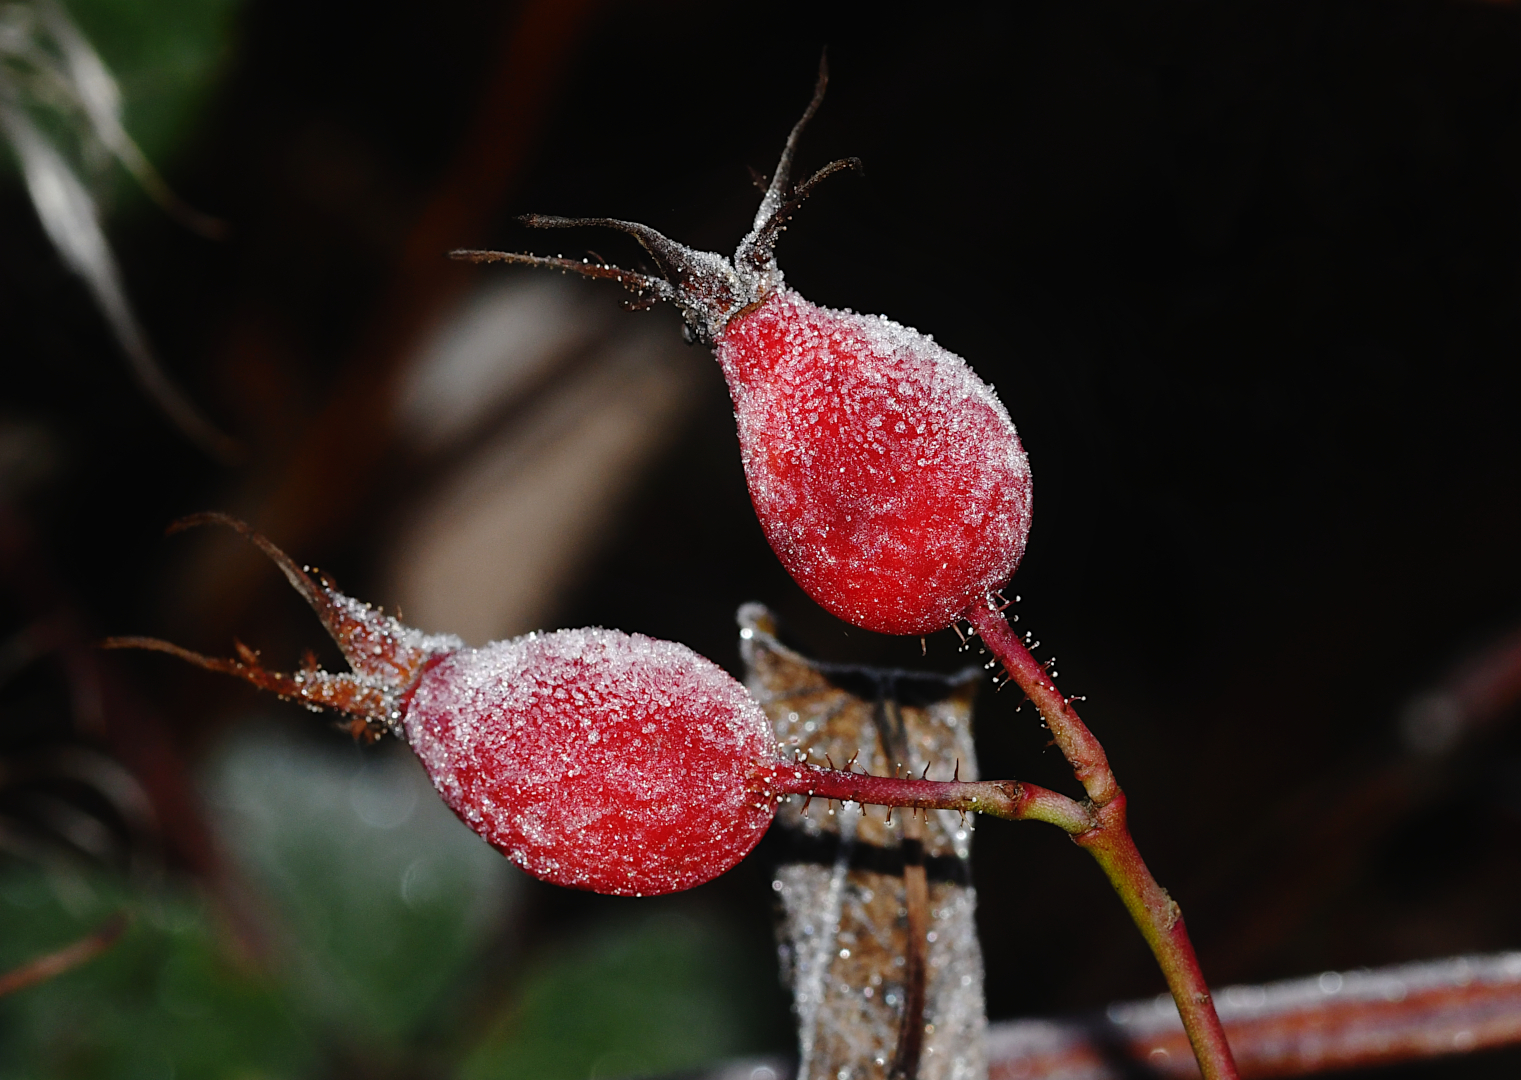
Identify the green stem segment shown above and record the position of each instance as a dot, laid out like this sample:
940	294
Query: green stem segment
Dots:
1108	840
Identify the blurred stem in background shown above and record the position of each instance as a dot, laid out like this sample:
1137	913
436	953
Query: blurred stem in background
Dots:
67	958
58	101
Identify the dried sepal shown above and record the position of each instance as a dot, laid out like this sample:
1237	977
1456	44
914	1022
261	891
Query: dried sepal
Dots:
387	657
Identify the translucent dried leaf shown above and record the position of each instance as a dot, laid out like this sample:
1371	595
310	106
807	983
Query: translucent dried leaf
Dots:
843	924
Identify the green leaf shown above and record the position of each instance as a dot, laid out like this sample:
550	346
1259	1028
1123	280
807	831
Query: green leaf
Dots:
665	993
165	1000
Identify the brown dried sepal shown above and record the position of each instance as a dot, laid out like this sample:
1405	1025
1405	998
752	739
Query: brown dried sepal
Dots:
387	658
369	705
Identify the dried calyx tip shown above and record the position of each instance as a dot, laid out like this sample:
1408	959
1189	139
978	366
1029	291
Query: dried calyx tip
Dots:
386	658
208	517
707	288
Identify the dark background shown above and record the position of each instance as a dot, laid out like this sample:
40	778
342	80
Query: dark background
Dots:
1247	278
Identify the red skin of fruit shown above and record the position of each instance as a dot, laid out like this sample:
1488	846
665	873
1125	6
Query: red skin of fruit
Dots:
591	758
596	759
888	478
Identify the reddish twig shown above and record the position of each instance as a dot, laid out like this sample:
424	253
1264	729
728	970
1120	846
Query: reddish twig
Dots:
1008	799
1155	913
1299	1027
82	951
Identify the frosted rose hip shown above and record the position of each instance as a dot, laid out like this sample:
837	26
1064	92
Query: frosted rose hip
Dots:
596	759
888	478
591	758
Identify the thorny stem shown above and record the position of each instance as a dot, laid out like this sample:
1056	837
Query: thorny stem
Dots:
1109	841
1008	799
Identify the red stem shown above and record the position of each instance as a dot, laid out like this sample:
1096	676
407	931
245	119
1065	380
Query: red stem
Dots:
1109	841
1008	799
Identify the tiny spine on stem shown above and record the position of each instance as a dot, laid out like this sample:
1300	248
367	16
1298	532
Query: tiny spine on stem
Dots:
1008	799
1109	841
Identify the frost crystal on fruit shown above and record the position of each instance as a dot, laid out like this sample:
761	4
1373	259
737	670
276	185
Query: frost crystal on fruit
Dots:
591	758
841	879
889	479
887	476
597	759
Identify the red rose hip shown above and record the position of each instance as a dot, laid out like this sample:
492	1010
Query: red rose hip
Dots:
591	758
887	477
596	759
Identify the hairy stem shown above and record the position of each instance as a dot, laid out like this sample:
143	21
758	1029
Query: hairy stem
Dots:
1110	843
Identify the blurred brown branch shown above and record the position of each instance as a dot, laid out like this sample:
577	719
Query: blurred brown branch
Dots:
105	705
1271	885
297	496
1298	1027
70	956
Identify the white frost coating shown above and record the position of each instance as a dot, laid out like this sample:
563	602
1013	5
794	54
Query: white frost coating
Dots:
842	927
596	759
888	477
836	925
1392	984
814	956
381	641
385	654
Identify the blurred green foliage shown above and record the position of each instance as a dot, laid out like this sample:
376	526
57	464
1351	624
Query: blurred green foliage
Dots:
164	1002
376	911
634	999
166	56
381	897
